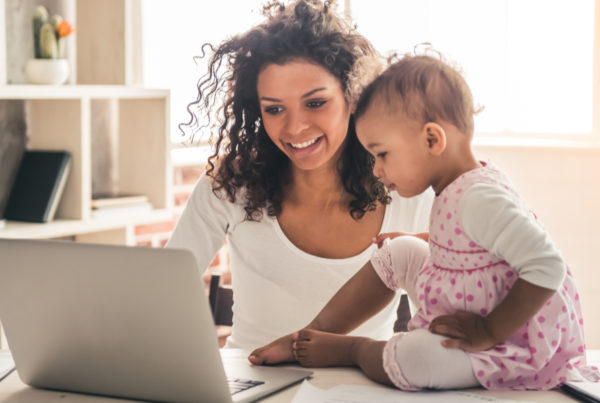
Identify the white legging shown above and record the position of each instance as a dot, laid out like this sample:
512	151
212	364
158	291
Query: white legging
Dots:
416	359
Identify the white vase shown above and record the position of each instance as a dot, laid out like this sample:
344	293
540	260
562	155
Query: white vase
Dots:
47	71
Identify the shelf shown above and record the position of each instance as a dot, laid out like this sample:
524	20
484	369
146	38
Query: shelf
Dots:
61	228
33	92
116	131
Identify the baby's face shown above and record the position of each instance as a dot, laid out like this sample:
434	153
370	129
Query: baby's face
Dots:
400	148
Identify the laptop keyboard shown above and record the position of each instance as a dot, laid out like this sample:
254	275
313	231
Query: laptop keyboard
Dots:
237	385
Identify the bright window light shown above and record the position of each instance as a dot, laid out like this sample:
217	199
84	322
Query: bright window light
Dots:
528	62
173	34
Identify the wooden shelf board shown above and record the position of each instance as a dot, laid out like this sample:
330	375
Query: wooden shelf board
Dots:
79	91
64	227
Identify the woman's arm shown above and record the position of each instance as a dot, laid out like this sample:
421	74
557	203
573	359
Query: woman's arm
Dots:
203	224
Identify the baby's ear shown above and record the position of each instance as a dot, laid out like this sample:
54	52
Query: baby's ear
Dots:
436	138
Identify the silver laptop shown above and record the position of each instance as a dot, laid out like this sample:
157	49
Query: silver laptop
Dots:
119	321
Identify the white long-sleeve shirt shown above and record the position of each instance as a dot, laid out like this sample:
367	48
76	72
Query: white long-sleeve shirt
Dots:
277	287
490	217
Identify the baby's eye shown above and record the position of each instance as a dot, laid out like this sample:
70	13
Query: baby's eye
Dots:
273	110
317	103
382	155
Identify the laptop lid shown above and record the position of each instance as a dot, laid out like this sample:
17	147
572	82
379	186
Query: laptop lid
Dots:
112	320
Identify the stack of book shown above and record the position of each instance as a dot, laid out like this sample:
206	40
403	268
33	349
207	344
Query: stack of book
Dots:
120	205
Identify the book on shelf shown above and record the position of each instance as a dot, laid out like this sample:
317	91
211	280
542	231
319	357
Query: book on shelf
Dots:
122	211
112	200
120	205
38	186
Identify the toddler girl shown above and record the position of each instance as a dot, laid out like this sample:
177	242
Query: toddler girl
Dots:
497	305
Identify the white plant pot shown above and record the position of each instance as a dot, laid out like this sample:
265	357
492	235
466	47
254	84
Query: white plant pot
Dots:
47	71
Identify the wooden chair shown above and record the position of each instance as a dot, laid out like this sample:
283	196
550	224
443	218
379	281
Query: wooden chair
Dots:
221	301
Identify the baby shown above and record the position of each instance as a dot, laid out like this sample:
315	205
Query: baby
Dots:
497	305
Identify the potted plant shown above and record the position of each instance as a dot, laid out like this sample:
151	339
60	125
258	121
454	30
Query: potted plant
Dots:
49	65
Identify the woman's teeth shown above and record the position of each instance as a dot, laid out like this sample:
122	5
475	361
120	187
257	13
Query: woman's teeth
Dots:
305	144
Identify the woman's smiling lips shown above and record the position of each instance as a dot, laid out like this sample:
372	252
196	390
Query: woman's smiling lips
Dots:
304	148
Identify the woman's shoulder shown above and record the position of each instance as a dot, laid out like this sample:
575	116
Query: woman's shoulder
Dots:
206	196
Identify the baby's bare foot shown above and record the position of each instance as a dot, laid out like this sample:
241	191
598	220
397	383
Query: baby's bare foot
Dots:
313	348
278	351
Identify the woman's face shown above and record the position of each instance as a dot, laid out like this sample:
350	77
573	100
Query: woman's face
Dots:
304	112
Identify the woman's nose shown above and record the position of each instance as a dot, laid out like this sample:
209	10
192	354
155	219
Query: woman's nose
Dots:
296	122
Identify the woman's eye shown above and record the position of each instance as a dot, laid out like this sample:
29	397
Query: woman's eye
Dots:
316	103
273	110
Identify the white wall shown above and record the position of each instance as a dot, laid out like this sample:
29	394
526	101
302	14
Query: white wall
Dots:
562	186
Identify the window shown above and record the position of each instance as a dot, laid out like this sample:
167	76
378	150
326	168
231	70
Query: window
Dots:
173	35
528	62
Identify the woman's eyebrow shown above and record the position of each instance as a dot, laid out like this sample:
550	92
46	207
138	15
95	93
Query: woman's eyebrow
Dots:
270	99
308	94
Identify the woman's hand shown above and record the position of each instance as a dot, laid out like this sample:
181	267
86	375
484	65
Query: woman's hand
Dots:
378	240
276	352
467	331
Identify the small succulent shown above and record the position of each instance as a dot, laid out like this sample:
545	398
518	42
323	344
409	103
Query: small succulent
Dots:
48	34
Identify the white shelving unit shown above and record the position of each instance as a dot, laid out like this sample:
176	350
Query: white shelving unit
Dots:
64	118
60	118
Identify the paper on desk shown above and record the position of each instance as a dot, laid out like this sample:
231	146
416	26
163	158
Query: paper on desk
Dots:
368	394
6	364
588	389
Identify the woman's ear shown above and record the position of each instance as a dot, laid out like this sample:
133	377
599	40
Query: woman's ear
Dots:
436	138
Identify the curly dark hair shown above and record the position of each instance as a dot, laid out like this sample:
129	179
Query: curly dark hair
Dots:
244	157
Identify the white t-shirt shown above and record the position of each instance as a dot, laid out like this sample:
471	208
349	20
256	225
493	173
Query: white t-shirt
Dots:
278	288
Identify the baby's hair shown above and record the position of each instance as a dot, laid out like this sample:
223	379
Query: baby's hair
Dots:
423	87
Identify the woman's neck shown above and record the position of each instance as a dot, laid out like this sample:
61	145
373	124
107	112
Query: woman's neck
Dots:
321	188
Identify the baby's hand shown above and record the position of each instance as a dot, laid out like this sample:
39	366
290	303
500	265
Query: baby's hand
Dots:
275	352
467	331
378	240
391	235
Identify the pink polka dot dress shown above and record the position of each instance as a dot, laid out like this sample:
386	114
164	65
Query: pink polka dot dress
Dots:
461	275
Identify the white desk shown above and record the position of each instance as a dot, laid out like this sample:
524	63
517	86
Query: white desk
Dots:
12	390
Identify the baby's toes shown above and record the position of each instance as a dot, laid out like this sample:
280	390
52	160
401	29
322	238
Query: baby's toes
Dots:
304	335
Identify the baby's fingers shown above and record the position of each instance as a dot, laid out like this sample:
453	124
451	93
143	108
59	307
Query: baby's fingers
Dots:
456	343
447	330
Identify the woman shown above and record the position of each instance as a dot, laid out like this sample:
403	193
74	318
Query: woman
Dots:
288	185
